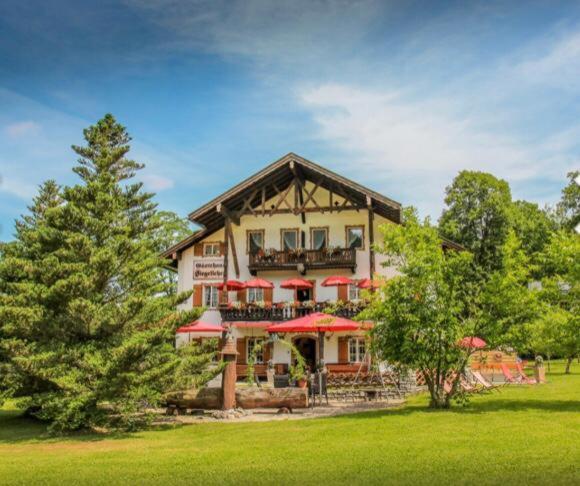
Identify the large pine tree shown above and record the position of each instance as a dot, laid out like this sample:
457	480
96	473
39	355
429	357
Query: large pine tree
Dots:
86	320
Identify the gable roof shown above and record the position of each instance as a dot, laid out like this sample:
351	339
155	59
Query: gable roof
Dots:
281	173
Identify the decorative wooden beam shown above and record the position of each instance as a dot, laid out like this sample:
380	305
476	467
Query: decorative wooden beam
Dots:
371	236
310	194
281	199
234	218
230	234
248	203
264	201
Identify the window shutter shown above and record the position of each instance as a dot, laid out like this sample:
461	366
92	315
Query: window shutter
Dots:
198	249
242	295
343	350
343	293
222	248
268	295
313	293
241	348
197	295
222	297
267	352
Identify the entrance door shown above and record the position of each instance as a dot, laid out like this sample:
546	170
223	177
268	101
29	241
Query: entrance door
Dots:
303	295
306	346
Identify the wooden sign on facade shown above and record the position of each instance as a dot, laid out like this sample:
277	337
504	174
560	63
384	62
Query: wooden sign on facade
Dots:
208	269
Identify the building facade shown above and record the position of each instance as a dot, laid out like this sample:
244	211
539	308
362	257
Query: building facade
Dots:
293	219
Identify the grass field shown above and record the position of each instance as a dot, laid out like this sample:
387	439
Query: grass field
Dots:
523	435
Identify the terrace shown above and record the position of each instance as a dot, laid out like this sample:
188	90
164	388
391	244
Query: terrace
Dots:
284	311
303	260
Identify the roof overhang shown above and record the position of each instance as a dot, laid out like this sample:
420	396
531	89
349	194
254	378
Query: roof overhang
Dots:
278	176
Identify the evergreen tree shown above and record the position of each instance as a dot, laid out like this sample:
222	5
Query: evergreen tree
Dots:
88	324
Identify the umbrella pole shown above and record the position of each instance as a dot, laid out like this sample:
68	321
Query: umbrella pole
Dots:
321	335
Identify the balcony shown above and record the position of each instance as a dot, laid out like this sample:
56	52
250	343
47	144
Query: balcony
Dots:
303	260
281	312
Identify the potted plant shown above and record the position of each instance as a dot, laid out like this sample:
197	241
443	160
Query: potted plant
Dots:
308	304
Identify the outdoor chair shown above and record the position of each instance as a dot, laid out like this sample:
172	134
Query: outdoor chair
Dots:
318	386
507	374
525	378
281	381
479	378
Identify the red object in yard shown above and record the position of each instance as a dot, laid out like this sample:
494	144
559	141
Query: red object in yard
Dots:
296	283
367	283
198	326
259	283
316	321
232	285
336	280
472	342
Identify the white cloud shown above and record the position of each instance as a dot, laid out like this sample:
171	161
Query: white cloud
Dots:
559	65
21	129
17	187
157	182
414	149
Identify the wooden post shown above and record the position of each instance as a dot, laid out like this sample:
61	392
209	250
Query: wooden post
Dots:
371	237
229	376
226	252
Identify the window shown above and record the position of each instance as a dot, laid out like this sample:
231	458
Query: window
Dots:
355	237
318	238
255	241
258	354
211	249
356	349
289	239
353	292
255	295
210	296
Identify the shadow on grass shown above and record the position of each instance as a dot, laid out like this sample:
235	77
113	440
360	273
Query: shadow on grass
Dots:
15	428
493	405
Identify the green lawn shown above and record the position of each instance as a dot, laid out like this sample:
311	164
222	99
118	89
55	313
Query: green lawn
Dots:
523	435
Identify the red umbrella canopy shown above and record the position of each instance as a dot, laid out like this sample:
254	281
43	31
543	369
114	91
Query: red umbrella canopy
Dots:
472	342
315	322
198	326
259	283
336	280
232	285
367	283
296	283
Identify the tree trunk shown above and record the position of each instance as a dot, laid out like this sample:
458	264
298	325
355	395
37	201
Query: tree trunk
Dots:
568	364
439	399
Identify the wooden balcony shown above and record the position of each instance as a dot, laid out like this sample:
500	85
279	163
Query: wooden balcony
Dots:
278	313
303	260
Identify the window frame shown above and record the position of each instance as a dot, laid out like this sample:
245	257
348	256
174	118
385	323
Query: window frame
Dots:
214	244
211	296
347	228
357	291
255	340
296	231
254	290
359	357
319	228
249	232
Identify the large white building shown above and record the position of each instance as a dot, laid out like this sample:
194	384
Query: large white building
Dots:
293	219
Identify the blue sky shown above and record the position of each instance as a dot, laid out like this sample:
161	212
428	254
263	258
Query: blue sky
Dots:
398	95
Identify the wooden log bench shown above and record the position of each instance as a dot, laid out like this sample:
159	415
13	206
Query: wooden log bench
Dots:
252	397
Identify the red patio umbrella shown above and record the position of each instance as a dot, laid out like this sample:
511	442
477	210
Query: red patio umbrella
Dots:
336	280
296	283
232	285
259	283
367	283
472	342
315	322
198	326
